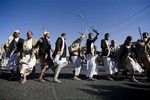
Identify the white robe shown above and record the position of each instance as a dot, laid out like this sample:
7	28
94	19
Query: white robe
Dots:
92	65
77	64
27	66
110	64
131	64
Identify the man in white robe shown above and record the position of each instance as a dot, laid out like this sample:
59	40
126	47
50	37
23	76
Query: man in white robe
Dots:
110	66
91	55
29	60
114	48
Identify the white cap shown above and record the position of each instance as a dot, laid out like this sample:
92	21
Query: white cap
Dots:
44	33
17	31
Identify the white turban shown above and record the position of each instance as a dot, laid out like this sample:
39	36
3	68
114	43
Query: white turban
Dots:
17	31
44	33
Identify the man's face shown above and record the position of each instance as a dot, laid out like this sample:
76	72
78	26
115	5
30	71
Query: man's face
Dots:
113	42
65	37
29	35
107	37
16	34
48	35
129	42
91	36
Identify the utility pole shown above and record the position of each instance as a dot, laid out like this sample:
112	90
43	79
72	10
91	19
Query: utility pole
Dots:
140	32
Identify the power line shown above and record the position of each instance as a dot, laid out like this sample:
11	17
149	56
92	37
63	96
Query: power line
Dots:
127	18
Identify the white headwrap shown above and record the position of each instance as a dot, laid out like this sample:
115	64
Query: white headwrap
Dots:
44	33
17	31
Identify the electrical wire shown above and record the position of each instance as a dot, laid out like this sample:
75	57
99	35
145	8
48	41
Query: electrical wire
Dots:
127	18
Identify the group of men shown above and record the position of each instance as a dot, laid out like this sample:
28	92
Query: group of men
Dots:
127	57
23	54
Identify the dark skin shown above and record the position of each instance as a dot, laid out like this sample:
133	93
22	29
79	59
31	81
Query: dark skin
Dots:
107	37
91	36
113	42
128	42
16	34
29	35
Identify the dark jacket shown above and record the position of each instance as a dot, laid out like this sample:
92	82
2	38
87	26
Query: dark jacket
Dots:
58	46
104	47
125	52
16	47
88	45
44	47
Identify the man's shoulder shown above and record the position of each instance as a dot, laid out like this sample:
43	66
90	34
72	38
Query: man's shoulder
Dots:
59	39
21	39
103	41
122	46
42	38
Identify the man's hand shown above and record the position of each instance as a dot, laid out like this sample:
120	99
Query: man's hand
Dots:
58	52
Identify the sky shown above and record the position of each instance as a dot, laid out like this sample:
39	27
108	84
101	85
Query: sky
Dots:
119	18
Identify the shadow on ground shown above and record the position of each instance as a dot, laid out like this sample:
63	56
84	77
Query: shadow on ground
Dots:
135	92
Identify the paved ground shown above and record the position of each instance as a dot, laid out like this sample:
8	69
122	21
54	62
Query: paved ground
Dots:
101	89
